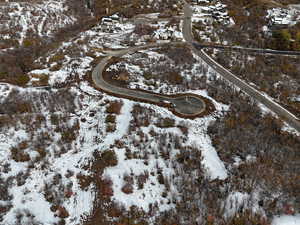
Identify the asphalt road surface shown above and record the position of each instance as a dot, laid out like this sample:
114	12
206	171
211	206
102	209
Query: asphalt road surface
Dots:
281	112
183	105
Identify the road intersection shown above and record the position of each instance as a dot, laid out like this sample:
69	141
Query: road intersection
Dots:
281	112
189	105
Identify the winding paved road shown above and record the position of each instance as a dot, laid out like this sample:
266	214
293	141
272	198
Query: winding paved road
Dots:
185	105
284	114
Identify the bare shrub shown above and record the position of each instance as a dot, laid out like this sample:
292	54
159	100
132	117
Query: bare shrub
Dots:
180	55
174	78
143	29
19	155
127	188
109	158
110	119
244	133
114	107
166	123
106	188
142	179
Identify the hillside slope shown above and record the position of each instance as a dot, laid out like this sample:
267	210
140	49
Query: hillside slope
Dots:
73	154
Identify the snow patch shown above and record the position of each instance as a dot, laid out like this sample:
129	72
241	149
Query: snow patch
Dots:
286	220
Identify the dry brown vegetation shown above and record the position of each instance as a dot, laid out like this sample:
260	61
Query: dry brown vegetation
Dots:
166	69
278	76
268	161
131	8
19	102
244	132
102	205
35	152
249	21
114	107
42	79
241	132
143	29
17	62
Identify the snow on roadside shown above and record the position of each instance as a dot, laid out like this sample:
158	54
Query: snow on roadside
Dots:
153	191
286	127
198	136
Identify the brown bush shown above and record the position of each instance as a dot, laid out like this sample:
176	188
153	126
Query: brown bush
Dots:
166	123
110	119
180	55
143	29
56	67
174	78
141	116
69	134
247	218
127	188
184	129
19	155
114	107
142	179
111	127
57	58
42	153
62	212
84	181
30	42
106	188
109	158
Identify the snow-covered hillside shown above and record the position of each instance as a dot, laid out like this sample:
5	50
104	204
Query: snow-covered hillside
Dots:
45	171
26	22
73	154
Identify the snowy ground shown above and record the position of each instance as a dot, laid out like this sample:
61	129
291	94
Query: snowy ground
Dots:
27	20
36	185
286	220
29	201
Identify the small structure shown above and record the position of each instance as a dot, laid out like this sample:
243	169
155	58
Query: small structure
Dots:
220	7
108	22
279	23
116	18
200	1
282	18
206	9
